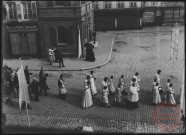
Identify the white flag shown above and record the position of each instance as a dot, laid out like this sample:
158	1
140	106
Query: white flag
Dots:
175	42
23	87
79	45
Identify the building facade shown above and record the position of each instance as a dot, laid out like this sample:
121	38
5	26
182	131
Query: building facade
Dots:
160	13
31	27
59	23
121	15
118	15
20	28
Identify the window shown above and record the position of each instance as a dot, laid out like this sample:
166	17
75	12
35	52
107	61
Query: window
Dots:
34	10
96	4
11	10
62	3
107	4
121	4
62	35
133	4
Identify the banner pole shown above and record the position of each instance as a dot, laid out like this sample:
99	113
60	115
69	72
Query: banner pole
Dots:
25	98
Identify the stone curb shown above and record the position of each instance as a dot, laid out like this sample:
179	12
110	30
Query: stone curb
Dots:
93	67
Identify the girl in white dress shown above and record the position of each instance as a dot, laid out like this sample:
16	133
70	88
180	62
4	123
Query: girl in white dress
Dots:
121	82
166	90
118	96
92	81
111	85
87	96
156	95
137	80
158	77
105	92
171	99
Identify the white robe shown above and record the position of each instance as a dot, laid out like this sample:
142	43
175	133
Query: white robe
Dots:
170	96
87	97
121	82
166	91
93	86
156	95
158	79
137	81
118	96
111	85
104	93
133	95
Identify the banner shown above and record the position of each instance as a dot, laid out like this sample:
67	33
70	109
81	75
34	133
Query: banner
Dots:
23	87
79	45
174	43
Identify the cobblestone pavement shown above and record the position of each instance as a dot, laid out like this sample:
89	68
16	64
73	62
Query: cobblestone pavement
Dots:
102	55
140	51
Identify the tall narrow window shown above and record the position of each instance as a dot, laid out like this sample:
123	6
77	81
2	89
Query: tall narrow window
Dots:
121	4
25	10
96	4
133	4
34	10
62	35
107	4
19	7
12	11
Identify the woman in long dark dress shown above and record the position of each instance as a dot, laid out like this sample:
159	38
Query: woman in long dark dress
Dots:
89	52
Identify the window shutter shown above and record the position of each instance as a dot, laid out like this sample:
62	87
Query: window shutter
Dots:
19	11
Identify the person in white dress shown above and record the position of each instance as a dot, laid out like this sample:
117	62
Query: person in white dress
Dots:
156	94
87	96
105	92
62	88
133	97
118	96
166	90
87	79
171	99
92	81
111	86
137	79
158	77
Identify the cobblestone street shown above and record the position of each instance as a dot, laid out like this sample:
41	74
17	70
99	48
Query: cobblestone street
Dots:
144	51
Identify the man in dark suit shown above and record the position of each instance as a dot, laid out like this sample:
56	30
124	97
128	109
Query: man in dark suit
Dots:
43	85
60	58
27	76
35	89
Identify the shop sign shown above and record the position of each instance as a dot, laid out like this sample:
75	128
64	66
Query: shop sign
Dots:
148	17
22	28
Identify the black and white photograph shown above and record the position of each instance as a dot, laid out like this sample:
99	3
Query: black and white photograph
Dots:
92	67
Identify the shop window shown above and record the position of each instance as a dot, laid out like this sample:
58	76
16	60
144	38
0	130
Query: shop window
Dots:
62	3
121	4
107	4
52	36
133	4
96	4
62	35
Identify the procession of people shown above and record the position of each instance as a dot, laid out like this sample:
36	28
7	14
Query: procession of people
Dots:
107	91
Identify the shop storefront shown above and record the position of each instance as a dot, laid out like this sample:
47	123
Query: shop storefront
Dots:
23	38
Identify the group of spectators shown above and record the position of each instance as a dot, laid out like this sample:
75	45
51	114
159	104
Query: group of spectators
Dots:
11	85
